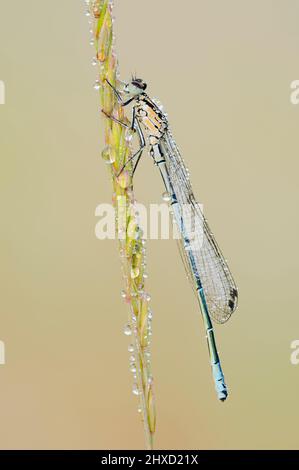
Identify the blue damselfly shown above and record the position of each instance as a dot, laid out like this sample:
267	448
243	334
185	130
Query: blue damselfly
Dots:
205	265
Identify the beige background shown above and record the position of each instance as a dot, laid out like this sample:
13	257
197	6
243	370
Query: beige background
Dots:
223	72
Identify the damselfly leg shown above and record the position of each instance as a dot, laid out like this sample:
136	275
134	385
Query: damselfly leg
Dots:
135	126
114	119
119	98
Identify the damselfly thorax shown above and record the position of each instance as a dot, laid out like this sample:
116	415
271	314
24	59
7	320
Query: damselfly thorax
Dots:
152	118
155	125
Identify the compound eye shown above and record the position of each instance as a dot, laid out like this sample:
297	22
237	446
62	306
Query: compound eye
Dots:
138	83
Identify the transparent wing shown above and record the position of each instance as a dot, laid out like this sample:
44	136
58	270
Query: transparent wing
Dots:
206	261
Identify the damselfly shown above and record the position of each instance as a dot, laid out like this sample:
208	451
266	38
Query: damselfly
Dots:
205	265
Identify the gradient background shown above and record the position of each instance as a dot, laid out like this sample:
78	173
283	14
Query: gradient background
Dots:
223	72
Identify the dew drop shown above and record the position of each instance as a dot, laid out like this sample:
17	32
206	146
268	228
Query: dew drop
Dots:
127	330
97	85
150	315
135	389
108	156
134	272
129	135
166	196
131	348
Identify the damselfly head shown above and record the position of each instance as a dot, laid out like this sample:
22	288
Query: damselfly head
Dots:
135	87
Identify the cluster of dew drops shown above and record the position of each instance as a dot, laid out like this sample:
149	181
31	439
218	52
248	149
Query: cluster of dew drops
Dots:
107	156
130	329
